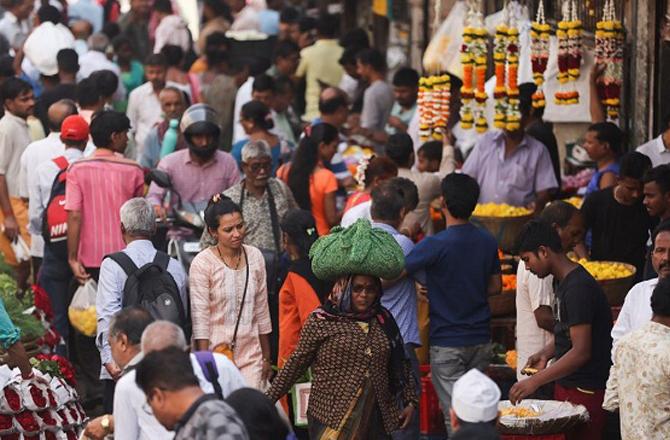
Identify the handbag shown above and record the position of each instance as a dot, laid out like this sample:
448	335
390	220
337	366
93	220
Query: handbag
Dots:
228	350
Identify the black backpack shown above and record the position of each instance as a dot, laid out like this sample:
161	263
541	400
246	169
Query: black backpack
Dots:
54	217
153	288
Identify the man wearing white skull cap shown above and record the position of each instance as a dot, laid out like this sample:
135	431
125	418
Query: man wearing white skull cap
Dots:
474	407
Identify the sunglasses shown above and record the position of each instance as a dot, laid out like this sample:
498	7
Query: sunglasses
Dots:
258	166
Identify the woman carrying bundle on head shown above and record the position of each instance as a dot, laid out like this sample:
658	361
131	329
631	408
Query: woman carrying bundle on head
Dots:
229	304
362	383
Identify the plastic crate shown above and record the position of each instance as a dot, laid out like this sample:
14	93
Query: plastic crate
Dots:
431	419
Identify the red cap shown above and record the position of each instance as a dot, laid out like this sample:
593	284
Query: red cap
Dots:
74	128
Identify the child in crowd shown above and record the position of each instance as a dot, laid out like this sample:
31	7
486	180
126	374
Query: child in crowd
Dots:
430	157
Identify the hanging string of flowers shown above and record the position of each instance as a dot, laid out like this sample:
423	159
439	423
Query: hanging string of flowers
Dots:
506	61
609	51
433	106
569	35
539	48
473	59
499	92
513	117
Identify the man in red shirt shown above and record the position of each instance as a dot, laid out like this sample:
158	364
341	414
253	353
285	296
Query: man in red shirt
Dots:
96	187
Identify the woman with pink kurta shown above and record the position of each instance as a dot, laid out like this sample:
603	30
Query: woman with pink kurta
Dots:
229	305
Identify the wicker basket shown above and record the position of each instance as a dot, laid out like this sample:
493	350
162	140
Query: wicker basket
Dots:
503	304
616	289
504	229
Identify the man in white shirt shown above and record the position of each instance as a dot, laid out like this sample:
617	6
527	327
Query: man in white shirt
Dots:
96	59
535	296
133	419
636	309
144	107
33	156
55	273
15	24
658	149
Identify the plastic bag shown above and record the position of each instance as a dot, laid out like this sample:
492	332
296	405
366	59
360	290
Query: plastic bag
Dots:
82	312
20	249
443	53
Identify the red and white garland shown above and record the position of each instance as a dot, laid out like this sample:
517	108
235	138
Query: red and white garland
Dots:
609	51
569	35
433	106
540	31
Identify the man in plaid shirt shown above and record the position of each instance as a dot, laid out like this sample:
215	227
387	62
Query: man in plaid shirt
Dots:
166	377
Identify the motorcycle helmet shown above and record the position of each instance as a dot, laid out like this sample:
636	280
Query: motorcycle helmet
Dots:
200	119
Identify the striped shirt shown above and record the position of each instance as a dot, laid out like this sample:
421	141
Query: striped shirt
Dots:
97	187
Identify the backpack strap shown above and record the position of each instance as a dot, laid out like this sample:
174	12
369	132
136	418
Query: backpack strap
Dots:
162	260
208	365
61	162
124	261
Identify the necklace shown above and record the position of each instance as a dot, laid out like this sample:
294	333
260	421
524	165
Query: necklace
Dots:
238	258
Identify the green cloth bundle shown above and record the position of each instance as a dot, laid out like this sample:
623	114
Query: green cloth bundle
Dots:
359	249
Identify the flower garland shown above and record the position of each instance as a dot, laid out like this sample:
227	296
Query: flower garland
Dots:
569	35
499	92
609	51
433	106
506	61
539	49
473	60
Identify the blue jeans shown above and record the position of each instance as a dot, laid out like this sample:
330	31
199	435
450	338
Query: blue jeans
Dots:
412	430
448	364
54	277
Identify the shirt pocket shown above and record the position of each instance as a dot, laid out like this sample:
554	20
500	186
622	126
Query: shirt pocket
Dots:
520	178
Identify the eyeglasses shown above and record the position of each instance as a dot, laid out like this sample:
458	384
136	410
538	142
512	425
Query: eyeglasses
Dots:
258	166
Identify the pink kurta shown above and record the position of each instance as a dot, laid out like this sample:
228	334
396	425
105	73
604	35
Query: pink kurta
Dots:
216	295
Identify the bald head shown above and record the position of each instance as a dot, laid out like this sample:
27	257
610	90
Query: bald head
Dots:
330	93
58	111
162	334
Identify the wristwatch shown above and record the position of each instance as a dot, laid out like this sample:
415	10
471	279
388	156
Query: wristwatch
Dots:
105	422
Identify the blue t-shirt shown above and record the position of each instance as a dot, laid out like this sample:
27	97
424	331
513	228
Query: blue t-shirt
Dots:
458	262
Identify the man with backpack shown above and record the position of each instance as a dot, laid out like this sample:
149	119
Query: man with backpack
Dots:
47	217
138	275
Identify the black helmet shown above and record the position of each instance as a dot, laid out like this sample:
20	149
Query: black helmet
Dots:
200	119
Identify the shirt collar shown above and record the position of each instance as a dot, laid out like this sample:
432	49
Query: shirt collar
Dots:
191	410
499	140
11	17
140	244
384	227
133	362
15	118
72	154
660	145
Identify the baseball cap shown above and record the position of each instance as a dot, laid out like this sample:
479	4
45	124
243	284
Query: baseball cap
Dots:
74	128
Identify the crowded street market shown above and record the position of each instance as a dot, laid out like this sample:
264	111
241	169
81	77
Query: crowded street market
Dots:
335	220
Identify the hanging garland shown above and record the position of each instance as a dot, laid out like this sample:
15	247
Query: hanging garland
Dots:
513	117
473	60
609	51
506	61
539	48
433	106
499	92
569	35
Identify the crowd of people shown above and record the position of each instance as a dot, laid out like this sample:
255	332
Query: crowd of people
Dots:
189	181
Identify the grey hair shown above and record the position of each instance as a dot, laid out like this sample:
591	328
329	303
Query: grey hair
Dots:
138	217
255	150
98	42
163	334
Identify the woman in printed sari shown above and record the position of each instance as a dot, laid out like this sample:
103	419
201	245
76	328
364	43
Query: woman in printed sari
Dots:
362	386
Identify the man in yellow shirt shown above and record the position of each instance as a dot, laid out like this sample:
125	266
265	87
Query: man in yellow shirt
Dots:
319	64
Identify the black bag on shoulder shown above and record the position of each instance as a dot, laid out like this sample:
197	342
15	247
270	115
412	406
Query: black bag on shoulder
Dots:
153	288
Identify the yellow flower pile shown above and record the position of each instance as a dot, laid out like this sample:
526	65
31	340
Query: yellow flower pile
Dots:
575	201
601	270
518	411
510	359
84	320
500	210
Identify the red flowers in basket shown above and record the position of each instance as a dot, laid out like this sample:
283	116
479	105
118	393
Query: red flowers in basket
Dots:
47	418
50	435
6	422
13	436
38	396
13	399
65	368
71	435
28	421
42	301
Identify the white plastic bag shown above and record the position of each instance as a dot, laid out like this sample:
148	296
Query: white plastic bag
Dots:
20	249
443	53
82	311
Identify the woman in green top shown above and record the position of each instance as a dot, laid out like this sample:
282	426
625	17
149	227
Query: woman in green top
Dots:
132	71
10	342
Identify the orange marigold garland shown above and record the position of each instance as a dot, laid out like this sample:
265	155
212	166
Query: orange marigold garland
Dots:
499	92
433	106
539	47
473	60
609	51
